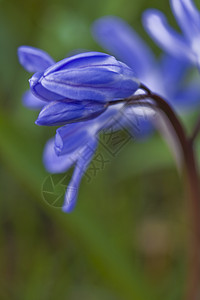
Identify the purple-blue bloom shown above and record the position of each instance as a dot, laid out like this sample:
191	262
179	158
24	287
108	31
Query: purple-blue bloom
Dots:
165	77
188	18
74	90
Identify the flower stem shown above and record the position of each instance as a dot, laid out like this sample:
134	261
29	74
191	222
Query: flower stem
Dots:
192	182
193	280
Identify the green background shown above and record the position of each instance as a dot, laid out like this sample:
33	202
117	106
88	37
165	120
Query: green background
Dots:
127	238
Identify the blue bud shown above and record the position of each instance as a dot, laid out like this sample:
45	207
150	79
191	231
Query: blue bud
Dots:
87	76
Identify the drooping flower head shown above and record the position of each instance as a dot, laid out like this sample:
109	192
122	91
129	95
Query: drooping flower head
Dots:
76	89
75	92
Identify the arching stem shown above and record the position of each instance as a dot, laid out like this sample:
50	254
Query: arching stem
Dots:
191	178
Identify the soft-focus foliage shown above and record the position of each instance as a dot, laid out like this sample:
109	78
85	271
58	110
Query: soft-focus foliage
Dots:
133	249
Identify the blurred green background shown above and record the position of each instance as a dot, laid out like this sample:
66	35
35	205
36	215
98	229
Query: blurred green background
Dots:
127	238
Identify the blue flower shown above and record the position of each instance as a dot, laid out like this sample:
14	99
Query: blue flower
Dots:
188	18
165	77
74	90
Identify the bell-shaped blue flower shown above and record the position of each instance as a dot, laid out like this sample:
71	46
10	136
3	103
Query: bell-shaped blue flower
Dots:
87	76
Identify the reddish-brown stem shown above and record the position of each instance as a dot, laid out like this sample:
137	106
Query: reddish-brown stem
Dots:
191	175
193	278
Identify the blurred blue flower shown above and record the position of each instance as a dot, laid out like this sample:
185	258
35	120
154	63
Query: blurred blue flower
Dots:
188	18
165	77
76	89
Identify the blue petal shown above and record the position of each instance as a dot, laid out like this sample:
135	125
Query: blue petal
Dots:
120	39
32	102
156	25
81	60
58	164
40	92
81	166
72	136
33	59
76	135
63	112
187	16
